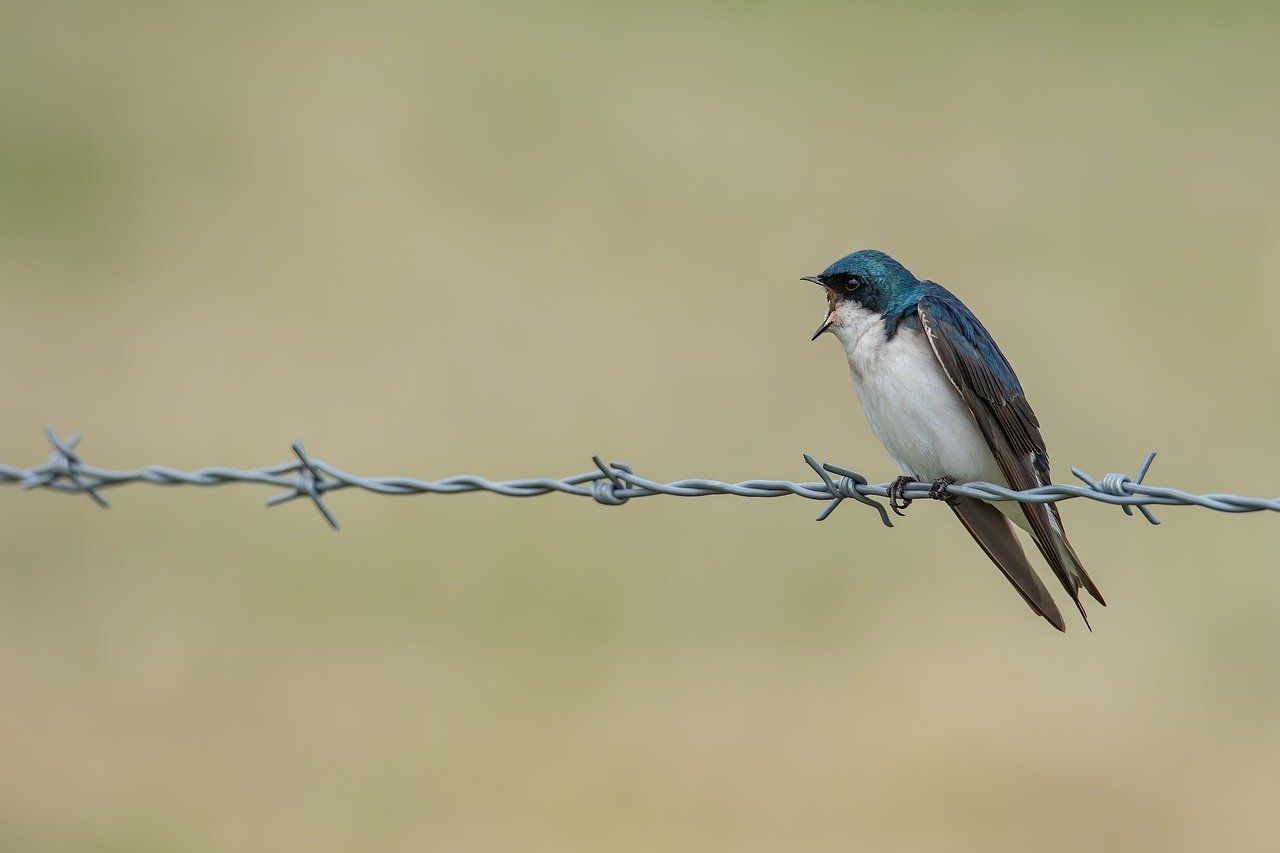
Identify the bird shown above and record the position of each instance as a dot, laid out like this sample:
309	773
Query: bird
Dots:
947	406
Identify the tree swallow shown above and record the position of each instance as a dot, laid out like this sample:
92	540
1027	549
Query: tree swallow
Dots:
948	408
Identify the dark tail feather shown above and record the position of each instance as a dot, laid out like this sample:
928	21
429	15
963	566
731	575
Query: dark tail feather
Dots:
1082	578
1085	580
1051	539
991	530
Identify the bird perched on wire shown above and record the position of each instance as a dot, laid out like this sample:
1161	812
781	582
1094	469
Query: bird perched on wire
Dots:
947	406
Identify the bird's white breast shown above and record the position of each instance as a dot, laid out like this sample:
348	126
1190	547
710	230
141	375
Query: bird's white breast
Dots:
910	403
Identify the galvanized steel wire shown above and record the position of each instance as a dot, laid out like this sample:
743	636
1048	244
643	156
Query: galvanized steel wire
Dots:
610	483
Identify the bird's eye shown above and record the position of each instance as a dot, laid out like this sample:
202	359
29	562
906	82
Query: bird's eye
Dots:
846	282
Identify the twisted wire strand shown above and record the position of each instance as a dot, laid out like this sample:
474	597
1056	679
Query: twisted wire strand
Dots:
612	483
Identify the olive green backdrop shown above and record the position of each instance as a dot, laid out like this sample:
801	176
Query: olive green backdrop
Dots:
453	238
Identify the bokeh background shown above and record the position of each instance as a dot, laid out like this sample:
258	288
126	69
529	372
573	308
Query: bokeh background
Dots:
498	238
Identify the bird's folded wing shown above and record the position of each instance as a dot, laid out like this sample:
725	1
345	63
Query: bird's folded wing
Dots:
990	388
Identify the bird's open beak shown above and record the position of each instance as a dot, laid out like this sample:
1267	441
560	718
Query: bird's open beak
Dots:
831	305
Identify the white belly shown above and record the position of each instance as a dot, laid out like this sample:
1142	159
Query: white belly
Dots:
913	408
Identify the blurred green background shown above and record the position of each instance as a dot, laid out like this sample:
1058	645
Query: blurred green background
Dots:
496	239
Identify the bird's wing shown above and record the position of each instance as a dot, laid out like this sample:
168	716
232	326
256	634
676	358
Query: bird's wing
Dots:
990	529
984	378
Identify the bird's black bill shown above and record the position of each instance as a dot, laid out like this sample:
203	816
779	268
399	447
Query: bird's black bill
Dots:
831	314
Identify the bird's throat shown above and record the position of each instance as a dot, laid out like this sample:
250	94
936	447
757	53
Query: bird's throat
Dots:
829	320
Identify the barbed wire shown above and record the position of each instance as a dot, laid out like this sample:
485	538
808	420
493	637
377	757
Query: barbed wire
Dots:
612	484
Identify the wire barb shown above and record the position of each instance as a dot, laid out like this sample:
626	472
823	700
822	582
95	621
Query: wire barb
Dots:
64	462
609	488
845	487
309	482
611	484
1118	485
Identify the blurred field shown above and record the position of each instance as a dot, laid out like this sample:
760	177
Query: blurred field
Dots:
452	238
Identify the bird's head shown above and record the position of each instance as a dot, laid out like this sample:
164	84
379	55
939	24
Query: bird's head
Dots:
865	283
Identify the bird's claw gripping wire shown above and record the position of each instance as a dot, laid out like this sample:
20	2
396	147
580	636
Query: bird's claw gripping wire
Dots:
938	491
898	500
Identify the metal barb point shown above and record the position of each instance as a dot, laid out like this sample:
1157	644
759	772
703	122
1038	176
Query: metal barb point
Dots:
64	462
605	491
1142	473
310	482
845	488
1115	484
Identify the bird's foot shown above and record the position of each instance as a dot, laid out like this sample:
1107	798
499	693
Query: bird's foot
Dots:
897	501
939	491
